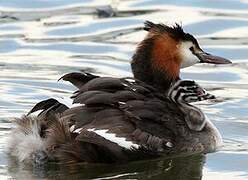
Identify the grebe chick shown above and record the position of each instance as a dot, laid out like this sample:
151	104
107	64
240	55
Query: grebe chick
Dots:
184	92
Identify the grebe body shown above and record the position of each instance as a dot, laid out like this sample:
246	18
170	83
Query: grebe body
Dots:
125	119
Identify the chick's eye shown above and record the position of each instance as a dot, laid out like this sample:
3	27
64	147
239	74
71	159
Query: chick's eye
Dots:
191	48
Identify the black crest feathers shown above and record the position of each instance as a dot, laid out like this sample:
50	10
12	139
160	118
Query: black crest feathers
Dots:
175	31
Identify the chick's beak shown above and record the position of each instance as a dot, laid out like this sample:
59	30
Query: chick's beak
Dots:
209	58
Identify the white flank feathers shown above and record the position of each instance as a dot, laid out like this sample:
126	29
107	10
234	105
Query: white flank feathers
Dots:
130	80
169	144
113	138
36	113
72	128
77	130
67	101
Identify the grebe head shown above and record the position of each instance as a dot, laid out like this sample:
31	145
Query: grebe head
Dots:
166	49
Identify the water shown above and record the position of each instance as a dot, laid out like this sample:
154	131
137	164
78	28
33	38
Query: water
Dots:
41	40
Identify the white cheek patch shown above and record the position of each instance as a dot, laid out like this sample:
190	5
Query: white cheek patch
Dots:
188	58
113	138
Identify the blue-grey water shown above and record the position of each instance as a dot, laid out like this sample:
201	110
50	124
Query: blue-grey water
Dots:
40	40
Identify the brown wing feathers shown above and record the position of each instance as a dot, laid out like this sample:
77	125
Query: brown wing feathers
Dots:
48	105
125	108
129	100
78	79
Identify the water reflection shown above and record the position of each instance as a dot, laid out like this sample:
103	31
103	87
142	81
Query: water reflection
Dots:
186	168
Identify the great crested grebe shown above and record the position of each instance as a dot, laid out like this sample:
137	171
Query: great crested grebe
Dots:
125	119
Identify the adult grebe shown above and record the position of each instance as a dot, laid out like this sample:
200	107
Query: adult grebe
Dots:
125	119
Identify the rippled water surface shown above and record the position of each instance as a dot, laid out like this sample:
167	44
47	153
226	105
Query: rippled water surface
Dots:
40	40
